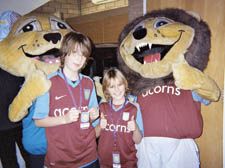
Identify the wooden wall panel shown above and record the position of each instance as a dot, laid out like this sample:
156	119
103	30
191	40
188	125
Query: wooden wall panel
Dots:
103	27
213	12
94	29
113	27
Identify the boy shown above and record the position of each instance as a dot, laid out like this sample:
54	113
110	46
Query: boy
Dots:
65	110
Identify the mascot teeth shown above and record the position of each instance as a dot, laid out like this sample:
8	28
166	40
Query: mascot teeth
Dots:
141	45
148	53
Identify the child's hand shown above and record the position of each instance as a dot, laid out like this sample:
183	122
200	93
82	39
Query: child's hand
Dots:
103	121
72	115
94	113
131	125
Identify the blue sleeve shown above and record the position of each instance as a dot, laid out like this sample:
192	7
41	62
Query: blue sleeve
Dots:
95	123
94	103
196	97
41	109
139	120
93	100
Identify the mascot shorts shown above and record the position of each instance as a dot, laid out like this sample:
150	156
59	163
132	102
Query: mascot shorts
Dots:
160	152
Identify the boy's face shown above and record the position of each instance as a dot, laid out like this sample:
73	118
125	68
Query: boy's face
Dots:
75	60
116	90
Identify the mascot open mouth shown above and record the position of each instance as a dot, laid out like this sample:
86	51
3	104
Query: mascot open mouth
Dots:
51	56
147	53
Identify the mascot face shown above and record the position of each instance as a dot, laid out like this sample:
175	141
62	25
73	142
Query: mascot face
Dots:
33	42
152	45
156	44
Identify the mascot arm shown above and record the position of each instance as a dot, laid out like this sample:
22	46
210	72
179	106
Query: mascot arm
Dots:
189	78
35	85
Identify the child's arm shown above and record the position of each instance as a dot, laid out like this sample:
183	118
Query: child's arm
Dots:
102	125
97	130
94	113
71	116
132	126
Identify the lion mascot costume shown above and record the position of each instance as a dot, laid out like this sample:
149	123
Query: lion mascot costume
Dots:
163	55
27	55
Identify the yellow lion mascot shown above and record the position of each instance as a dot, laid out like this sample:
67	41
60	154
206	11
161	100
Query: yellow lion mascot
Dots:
29	51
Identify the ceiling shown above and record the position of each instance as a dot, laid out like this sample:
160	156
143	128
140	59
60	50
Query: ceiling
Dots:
21	6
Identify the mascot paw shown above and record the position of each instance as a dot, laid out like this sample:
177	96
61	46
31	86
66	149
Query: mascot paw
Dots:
36	84
186	77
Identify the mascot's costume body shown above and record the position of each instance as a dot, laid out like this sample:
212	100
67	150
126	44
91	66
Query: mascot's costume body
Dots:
162	55
27	55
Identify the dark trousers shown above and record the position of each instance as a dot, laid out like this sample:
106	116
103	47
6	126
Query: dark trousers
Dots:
8	155
37	161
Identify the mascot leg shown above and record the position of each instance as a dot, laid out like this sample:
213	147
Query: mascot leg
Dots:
162	152
8	141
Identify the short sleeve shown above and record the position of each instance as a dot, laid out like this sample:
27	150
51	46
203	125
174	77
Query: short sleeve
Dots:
139	120
41	109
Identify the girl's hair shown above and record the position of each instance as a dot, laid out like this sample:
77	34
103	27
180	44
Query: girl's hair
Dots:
110	74
73	41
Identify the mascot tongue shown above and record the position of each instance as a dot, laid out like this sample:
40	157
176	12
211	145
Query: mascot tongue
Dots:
48	59
152	58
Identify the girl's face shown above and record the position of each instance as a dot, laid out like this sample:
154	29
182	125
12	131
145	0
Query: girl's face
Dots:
75	60
116	90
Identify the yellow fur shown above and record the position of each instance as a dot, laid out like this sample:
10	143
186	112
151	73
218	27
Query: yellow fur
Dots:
14	60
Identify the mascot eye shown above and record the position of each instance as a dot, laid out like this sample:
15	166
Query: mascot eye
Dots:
161	22
28	25
61	25
58	24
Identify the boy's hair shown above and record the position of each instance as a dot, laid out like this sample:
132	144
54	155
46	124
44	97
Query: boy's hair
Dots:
110	74
71	42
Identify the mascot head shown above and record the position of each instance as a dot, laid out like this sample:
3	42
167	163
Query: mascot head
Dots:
151	44
33	43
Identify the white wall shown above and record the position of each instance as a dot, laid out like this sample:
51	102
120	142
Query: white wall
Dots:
20	6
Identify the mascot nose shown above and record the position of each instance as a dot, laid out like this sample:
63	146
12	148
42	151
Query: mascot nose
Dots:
54	37
139	33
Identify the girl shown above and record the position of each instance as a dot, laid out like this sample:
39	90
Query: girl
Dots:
65	110
120	125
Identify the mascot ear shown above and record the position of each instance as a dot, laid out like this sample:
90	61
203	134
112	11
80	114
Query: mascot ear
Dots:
195	15
59	15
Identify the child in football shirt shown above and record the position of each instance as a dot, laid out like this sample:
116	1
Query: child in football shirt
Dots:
120	126
69	108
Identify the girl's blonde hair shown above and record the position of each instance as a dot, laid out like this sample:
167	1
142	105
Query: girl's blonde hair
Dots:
110	74
71	42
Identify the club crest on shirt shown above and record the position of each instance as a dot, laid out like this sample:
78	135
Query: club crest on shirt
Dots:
86	93
84	117
116	158
126	116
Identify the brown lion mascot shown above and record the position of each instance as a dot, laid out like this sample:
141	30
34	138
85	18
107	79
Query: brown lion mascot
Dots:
163	55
